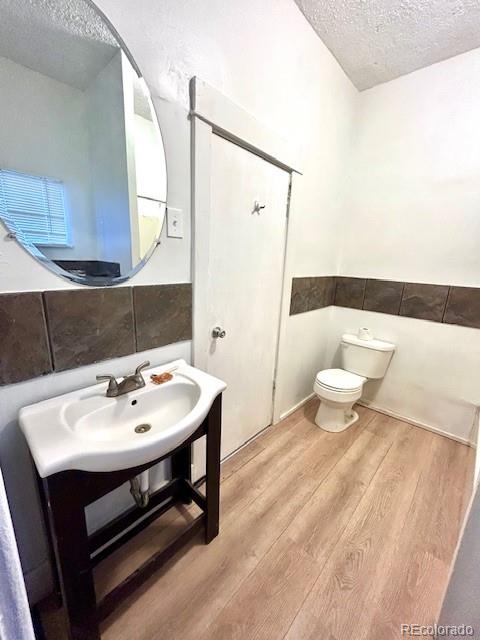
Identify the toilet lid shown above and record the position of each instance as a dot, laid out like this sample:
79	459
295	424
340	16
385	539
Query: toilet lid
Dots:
340	380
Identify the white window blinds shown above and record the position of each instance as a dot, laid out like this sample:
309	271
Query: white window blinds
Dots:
33	207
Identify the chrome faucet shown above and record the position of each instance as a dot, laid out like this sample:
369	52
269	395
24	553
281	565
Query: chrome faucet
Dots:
129	383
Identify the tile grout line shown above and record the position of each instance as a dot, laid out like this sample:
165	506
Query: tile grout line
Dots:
404	284
47	330
364	293
446	306
134	320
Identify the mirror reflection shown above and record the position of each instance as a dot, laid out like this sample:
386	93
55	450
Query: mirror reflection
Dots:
82	164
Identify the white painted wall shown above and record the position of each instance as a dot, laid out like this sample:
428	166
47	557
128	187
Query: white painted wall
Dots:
19	272
243	49
44	132
304	351
433	376
414	189
412	213
170	262
240	48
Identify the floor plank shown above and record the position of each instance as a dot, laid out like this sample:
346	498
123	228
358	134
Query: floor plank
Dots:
413	590
319	524
345	594
277	587
276	488
331	536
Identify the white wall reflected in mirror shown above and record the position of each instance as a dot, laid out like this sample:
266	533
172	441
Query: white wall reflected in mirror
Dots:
82	165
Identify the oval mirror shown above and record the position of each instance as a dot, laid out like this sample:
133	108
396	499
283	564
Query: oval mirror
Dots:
83	179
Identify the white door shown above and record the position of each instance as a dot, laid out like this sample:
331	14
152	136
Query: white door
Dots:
247	247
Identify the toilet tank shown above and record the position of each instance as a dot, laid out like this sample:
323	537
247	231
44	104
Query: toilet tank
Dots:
368	358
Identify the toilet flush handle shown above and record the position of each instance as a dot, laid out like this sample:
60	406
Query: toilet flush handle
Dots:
218	332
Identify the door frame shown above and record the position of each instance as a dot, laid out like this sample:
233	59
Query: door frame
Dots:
212	113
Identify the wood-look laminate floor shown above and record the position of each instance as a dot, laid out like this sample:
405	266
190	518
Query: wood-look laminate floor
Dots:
323	537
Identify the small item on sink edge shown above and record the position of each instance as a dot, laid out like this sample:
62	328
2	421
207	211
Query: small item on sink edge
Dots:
160	378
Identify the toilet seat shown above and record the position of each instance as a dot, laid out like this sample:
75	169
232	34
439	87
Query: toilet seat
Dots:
339	380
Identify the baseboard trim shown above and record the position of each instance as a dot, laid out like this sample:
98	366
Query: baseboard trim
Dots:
415	423
294	408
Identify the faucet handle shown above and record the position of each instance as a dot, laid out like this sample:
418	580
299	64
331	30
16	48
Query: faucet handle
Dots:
112	382
106	377
142	366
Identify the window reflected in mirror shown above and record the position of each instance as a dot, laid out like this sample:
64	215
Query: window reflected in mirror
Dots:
82	165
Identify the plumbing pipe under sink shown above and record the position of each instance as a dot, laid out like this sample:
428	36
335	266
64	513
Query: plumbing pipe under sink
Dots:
140	488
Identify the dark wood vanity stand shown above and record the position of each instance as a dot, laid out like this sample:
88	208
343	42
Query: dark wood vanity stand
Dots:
67	494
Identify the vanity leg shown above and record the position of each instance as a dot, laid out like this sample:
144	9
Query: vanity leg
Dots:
214	424
56	595
70	540
182	468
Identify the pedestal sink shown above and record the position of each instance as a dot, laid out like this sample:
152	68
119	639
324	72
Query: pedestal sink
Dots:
87	431
86	445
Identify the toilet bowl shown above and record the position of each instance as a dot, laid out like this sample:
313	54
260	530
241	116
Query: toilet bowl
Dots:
362	358
338	390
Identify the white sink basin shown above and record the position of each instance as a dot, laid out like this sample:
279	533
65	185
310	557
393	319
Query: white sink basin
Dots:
85	430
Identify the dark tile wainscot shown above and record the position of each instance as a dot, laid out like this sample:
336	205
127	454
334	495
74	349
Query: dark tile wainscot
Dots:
60	330
437	303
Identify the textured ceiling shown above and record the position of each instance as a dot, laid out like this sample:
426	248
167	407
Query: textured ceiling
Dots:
63	39
378	40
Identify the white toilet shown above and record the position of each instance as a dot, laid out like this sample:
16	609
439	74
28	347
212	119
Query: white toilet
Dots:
362	358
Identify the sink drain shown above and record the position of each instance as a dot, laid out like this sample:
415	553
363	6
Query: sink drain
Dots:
143	428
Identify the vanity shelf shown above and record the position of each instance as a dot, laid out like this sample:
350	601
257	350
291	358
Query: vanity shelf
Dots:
75	553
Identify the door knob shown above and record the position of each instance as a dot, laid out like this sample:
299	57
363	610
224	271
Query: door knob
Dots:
218	332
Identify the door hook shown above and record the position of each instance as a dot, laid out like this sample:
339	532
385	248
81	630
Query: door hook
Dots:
257	207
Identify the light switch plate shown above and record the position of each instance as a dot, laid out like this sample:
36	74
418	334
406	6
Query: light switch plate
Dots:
174	222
